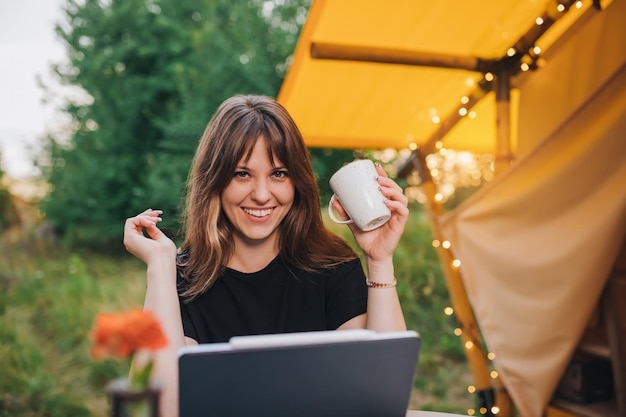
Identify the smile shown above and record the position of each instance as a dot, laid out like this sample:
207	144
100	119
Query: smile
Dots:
258	213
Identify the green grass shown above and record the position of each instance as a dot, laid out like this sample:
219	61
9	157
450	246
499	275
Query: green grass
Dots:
49	298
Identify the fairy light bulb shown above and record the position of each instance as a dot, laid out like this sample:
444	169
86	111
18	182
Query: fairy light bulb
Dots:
491	356
469	344
489	76
436	119
458	331
579	4
493	374
456	263
483	410
462	111
560	7
446	244
524	66
448	311
436	243
536	50
464	100
471	412
511	52
495	410
539	21
471	389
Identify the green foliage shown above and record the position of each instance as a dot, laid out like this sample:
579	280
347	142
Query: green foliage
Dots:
152	73
48	300
8	214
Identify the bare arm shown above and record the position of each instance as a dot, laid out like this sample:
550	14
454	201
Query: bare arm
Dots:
159	254
384	312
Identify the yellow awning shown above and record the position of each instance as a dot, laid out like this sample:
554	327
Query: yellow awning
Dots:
443	50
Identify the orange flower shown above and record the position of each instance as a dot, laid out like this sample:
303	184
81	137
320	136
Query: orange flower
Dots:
121	334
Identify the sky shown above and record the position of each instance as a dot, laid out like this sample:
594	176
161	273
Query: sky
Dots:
28	46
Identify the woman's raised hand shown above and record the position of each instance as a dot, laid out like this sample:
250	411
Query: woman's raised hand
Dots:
156	244
380	243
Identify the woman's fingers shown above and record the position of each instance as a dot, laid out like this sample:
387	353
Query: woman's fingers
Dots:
142	246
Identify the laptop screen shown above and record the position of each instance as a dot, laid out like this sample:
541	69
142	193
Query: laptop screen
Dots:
346	373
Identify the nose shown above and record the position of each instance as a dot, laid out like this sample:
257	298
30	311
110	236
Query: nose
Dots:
261	192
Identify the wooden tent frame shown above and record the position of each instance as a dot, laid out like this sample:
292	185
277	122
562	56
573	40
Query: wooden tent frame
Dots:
492	396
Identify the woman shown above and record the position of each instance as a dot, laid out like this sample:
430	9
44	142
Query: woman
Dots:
256	257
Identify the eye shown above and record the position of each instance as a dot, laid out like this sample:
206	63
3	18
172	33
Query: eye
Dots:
280	173
241	174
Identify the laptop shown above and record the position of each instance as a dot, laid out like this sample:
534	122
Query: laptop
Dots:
348	373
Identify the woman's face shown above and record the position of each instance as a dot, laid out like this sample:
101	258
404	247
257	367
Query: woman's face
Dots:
258	197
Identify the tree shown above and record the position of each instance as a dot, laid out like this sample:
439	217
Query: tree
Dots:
153	73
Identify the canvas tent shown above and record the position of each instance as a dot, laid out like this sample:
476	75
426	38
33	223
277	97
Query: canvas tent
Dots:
536	245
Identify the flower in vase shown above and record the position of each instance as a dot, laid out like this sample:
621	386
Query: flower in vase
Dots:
121	335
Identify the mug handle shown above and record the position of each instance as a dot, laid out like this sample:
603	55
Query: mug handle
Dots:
331	213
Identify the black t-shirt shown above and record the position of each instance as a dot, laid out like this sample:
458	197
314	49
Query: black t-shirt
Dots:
276	299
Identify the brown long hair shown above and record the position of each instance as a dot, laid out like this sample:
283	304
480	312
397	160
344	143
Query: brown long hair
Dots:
304	241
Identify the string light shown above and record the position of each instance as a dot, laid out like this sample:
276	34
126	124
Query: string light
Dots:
493	374
489	76
511	52
524	66
491	356
462	111
464	100
436	243
579	4
495	409
472	115
539	21
456	263
446	244
436	119
483	410
439	197
471	389
471	412
448	311
458	331
560	7
469	344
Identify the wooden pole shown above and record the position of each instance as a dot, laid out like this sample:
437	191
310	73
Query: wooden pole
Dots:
504	153
325	50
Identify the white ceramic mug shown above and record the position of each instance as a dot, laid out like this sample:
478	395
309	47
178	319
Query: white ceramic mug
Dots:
356	188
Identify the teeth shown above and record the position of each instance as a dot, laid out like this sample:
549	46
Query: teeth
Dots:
258	213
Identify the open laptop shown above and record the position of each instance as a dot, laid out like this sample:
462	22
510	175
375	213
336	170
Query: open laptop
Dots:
348	373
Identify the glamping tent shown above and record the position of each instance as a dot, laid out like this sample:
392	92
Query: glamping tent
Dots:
536	262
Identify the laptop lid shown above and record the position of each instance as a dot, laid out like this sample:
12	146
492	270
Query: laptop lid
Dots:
345	373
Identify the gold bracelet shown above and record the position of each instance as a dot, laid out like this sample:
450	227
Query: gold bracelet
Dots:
373	284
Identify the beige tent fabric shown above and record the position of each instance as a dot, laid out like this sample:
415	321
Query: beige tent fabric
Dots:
537	245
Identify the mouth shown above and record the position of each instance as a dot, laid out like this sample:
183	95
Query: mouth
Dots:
258	213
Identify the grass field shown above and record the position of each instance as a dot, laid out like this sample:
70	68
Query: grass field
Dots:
49	298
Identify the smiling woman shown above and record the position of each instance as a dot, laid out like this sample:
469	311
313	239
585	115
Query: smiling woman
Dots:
256	256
